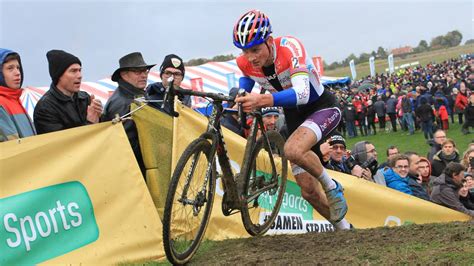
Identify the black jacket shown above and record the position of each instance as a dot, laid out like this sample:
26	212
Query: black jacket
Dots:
424	112
55	111
119	103
156	91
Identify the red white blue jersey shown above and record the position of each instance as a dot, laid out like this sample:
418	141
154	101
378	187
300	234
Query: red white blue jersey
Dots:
293	69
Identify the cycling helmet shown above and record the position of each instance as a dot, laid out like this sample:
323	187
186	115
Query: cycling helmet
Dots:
253	28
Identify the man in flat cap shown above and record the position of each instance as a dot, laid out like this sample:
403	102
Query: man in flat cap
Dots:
172	66
64	106
131	76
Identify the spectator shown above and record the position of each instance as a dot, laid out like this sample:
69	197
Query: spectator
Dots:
131	76
425	113
231	120
380	110
447	154
14	120
336	158
465	196
270	117
438	138
371	118
392	111
396	174
424	170
446	186
469	182
468	160
469	115
172	65
461	101
443	116
391	151
64	106
407	108
365	155
414	177
349	116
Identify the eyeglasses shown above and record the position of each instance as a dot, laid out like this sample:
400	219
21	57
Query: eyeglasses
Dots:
175	74
401	166
139	71
372	151
338	147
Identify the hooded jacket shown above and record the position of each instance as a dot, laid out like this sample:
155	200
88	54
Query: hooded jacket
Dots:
14	120
440	160
395	181
445	192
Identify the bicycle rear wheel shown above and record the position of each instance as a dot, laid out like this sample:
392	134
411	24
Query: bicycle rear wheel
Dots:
189	202
264	183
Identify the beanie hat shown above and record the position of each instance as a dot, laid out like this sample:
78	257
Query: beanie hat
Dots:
337	139
270	111
173	61
59	61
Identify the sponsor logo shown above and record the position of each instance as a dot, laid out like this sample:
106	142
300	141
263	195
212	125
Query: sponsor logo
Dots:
38	225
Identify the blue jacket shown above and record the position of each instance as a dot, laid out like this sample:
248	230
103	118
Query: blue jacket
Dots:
397	182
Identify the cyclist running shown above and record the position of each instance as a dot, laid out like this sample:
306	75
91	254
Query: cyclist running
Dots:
282	66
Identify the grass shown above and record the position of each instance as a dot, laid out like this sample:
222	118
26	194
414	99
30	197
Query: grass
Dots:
437	56
414	142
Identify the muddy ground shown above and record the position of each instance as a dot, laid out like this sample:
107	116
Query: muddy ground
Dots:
451	243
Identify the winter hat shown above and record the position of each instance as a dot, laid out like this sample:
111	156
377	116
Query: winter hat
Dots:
173	61
270	111
59	61
336	138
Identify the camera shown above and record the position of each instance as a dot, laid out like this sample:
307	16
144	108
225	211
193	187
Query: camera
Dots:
471	162
370	164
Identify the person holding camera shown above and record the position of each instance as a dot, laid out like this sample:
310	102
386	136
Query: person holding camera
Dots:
364	155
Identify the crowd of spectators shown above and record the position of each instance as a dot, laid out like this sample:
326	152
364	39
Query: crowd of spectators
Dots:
428	98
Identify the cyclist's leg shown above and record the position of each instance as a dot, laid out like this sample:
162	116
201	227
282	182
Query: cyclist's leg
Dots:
298	150
312	191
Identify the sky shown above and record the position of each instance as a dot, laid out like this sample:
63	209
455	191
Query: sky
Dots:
100	32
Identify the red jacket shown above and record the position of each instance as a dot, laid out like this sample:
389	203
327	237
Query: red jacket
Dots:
461	102
443	113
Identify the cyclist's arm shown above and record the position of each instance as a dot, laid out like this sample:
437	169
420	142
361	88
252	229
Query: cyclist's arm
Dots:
246	83
299	94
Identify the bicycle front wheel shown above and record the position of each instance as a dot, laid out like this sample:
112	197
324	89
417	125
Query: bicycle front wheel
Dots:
189	202
264	183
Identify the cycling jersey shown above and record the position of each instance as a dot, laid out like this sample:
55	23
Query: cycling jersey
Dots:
292	79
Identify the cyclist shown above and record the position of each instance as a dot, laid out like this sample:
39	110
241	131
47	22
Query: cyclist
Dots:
282	66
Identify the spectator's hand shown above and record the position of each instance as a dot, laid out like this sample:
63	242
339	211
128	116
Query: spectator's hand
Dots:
357	171
326	150
367	175
94	110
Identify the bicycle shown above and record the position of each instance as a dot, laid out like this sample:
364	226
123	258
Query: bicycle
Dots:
260	185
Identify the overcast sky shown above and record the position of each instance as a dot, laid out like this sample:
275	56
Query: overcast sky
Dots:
100	32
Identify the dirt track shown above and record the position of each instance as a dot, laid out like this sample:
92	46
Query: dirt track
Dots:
451	243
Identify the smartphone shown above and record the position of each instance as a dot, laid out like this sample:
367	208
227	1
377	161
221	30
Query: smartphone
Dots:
471	162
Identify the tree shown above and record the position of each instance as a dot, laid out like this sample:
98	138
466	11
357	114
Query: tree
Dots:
381	52
422	47
453	38
470	41
364	57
